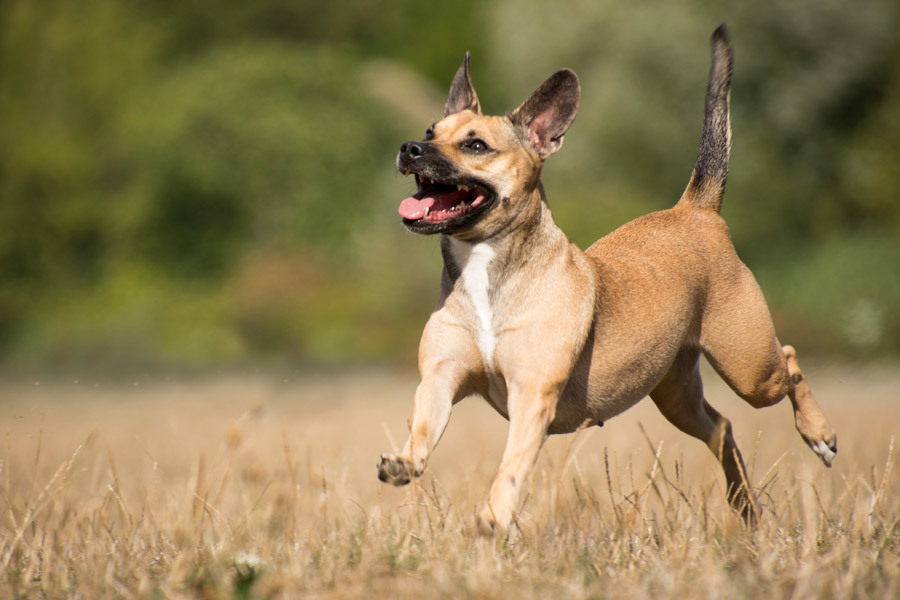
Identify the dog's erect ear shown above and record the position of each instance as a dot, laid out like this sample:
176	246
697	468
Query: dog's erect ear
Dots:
549	111
462	93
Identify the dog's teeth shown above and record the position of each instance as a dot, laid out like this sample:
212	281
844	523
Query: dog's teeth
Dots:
427	210
463	188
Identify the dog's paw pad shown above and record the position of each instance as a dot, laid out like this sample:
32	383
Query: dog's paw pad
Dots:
396	471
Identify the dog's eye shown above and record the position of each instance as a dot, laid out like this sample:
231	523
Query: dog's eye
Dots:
429	134
478	146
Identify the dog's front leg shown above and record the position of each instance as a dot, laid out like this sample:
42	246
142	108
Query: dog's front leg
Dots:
531	408
441	387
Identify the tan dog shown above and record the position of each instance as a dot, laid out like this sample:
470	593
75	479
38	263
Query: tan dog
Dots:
555	338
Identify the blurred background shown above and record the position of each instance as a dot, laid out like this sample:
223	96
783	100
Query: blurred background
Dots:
195	184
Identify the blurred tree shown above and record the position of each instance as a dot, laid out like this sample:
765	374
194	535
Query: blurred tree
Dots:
253	145
65	72
199	182
146	150
809	76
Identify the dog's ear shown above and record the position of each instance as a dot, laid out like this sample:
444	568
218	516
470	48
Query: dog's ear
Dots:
462	92
549	111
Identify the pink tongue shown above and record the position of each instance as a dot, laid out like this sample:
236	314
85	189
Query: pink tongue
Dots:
414	209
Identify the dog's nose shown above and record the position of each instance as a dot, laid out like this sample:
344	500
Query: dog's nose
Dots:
412	149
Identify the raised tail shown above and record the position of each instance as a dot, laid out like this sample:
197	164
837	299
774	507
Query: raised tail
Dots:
707	184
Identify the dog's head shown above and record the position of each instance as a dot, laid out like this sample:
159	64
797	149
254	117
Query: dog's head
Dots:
475	173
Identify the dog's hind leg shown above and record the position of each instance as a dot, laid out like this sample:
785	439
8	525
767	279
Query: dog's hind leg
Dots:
808	416
738	339
679	397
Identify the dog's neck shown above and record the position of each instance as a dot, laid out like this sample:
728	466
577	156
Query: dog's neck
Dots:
528	235
486	270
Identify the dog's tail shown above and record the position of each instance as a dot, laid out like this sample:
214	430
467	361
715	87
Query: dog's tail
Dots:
707	184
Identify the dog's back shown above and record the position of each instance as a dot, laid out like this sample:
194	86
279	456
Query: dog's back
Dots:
659	271
678	229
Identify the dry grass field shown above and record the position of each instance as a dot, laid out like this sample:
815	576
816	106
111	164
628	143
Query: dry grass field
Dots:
256	486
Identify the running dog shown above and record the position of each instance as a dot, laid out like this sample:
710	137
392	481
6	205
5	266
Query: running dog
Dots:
555	338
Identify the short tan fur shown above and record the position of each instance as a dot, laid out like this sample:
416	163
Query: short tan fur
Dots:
555	338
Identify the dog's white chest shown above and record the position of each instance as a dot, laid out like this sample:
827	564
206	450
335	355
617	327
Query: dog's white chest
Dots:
474	260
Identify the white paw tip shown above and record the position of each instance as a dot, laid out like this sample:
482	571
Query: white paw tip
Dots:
824	451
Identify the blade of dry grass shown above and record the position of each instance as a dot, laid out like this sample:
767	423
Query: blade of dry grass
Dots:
152	516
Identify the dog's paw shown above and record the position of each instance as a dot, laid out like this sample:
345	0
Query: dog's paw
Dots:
825	448
397	471
820	438
486	525
818	435
491	524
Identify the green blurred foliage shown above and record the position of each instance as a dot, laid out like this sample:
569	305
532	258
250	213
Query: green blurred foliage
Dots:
204	184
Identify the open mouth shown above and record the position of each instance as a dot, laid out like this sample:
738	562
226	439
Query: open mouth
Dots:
442	204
